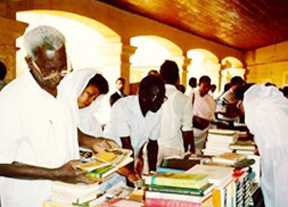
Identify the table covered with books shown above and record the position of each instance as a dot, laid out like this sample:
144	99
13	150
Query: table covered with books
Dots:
222	179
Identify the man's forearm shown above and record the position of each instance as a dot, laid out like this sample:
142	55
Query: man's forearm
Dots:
152	152
188	139
22	171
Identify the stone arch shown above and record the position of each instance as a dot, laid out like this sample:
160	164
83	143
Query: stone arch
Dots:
203	62
230	67
94	48
151	53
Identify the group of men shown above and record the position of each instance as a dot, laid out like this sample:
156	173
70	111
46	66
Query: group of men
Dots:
39	116
39	139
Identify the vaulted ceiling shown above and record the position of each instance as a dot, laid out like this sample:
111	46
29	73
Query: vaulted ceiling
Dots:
241	24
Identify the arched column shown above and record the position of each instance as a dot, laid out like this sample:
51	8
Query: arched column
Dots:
10	30
228	73
187	61
117	61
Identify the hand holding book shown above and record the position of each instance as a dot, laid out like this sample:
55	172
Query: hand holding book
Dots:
70	174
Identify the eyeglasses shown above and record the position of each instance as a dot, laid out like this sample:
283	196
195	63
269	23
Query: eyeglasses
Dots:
62	73
158	98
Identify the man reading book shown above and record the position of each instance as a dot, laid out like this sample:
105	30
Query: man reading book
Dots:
135	120
38	131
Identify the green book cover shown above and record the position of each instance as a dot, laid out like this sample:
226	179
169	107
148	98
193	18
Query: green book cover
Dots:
186	191
101	172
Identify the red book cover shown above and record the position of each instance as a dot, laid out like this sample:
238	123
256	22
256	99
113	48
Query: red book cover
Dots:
154	202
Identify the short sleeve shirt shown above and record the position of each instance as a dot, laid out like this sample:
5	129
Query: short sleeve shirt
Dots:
127	120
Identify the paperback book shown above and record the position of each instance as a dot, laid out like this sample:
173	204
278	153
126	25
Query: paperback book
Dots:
183	180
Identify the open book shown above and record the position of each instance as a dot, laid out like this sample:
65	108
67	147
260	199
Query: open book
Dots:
118	157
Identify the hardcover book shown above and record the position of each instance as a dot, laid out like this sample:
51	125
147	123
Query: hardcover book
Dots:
218	175
102	173
181	197
228	158
183	180
185	191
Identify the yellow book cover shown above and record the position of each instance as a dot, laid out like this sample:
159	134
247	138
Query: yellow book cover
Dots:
183	180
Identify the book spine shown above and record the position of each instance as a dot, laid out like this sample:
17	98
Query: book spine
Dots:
185	191
154	202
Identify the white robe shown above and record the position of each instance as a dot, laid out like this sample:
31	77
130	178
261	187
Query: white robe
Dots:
203	107
88	122
266	115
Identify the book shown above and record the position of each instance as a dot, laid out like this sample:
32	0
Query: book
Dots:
222	138
243	145
168	170
75	189
119	157
102	173
73	193
93	164
172	196
182	164
228	158
222	131
185	191
218	175
154	202
183	180
56	204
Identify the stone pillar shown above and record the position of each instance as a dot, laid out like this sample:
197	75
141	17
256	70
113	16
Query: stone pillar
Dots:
178	57
187	61
10	30
228	73
117	62
127	52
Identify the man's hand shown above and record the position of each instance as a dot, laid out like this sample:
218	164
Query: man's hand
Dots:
138	167
68	173
96	144
101	144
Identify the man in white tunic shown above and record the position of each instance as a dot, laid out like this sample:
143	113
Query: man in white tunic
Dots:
176	122
266	116
38	126
203	107
136	120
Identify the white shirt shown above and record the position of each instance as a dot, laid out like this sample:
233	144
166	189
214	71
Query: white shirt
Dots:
176	115
203	107
226	98
35	129
127	120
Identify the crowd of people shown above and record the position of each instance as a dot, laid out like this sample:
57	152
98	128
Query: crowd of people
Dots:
48	112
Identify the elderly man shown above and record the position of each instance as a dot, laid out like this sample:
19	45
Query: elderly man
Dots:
38	131
135	120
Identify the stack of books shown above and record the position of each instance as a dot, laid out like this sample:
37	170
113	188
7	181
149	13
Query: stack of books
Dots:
66	193
219	140
242	187
102	166
178	189
222	179
247	147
